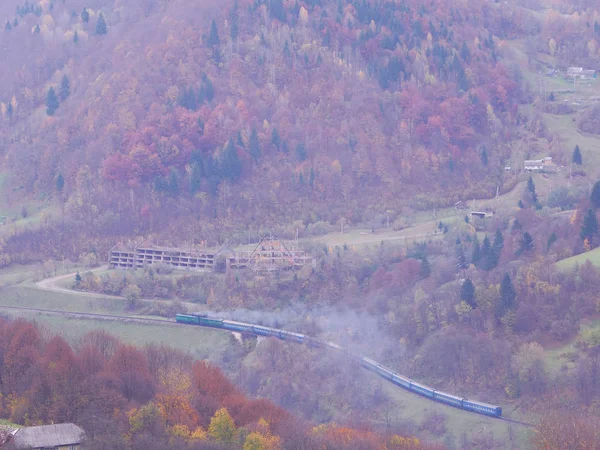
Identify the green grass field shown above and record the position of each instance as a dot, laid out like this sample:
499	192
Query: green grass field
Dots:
569	263
201	343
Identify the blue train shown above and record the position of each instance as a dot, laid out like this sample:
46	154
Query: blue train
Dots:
369	364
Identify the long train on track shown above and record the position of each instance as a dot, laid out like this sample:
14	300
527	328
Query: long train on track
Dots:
374	366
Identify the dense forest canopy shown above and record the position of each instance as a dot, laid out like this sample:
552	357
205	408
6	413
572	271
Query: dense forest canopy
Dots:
334	105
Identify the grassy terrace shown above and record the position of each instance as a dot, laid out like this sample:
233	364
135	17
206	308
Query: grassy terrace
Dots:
593	256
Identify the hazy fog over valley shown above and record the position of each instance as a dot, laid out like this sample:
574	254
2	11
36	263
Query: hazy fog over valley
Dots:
299	224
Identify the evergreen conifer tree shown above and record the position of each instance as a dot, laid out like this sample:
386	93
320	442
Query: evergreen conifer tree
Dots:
60	182
76	38
476	256
240	141
487	256
595	195
275	139
51	102
207	88
213	37
497	247
300	152
467	293
254	146
531	190
577	159
85	15
65	88
462	262
589	228
101	25
508	295
525	243
231	166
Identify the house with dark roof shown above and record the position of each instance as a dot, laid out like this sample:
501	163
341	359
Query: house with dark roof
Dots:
62	436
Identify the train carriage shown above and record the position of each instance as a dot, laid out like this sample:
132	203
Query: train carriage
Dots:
266	331
400	381
368	363
237	326
421	389
448	399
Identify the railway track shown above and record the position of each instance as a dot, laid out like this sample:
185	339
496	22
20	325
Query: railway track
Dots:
158	322
91	315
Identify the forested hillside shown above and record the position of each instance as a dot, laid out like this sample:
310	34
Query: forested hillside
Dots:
150	398
255	112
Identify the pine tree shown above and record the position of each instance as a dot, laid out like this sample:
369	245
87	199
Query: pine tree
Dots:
595	195
254	145
239	140
173	184
508	295
577	159
462	262
101	25
207	89
476	256
526	243
85	15
300	152
231	166
589	228
484	156
65	88
76	38
531	190
60	182
8	26
51	102
485	262
425	269
234	31
467	293
551	240
275	139
213	37
497	247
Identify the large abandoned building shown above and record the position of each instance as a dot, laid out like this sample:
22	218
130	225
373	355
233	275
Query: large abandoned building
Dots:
270	255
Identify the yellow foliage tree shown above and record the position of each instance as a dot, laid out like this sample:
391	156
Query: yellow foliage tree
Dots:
222	428
258	441
403	443
198	434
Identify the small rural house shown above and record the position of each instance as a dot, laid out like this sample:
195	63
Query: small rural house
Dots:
581	73
63	436
539	165
573	72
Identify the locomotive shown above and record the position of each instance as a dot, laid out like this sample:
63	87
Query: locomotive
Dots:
367	363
